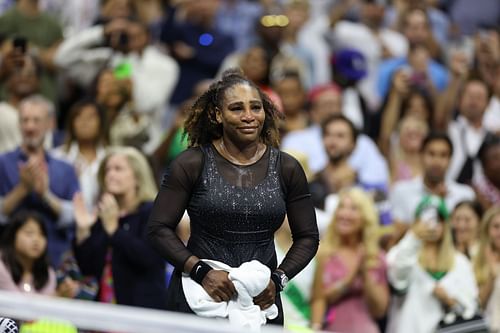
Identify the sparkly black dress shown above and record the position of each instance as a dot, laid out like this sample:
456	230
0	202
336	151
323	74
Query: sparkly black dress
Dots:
234	211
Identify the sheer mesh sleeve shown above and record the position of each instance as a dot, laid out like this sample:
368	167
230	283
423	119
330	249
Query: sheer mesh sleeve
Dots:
301	217
170	204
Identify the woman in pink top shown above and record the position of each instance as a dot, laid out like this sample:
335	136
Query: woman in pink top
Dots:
24	265
350	288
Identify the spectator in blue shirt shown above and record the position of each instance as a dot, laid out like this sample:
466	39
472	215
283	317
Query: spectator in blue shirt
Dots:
422	71
30	178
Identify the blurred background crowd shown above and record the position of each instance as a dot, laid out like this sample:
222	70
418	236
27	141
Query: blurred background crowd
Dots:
392	108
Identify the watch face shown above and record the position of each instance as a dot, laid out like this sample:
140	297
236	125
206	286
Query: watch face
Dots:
284	280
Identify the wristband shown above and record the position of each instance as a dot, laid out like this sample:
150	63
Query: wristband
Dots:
199	271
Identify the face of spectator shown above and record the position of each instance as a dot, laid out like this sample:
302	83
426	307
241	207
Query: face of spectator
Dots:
138	37
338	140
326	104
35	122
474	101
24	81
418	58
436	158
465	224
86	124
491	165
254	64
412	134
199	11
116	9
111	92
297	15
436	234
494	232
348	218
372	14
417	108
119	177
30	242
292	95
242	115
416	29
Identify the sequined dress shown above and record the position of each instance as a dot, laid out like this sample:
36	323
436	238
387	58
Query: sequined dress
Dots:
234	211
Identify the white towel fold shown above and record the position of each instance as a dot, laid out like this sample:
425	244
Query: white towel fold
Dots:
249	280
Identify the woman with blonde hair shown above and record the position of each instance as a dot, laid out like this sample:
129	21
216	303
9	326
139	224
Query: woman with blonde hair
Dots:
434	277
111	243
487	267
350	287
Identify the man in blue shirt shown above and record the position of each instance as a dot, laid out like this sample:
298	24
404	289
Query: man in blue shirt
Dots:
30	178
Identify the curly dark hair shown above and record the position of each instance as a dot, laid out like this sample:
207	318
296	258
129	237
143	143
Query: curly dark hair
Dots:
201	125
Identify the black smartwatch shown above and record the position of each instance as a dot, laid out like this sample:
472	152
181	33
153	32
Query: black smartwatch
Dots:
280	280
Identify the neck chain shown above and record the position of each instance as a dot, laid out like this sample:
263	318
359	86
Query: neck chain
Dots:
234	160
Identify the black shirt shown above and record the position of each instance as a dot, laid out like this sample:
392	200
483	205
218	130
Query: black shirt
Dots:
208	186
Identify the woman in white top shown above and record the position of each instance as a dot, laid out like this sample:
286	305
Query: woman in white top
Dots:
87	137
433	275
487	267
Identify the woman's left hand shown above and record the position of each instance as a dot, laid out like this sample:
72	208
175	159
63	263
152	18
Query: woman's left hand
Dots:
267	297
442	296
109	213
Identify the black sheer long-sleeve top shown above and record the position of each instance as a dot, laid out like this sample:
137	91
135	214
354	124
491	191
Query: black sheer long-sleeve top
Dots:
234	210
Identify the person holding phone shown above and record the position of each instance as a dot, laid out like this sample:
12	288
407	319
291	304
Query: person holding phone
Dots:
37	34
122	47
434	277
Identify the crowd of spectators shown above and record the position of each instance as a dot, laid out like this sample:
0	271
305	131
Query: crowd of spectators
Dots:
391	107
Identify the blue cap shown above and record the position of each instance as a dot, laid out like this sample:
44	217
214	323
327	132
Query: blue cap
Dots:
350	63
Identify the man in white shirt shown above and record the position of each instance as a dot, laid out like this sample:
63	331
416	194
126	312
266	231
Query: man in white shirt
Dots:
365	158
467	132
437	150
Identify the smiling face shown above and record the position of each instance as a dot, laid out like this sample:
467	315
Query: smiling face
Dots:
119	177
30	242
411	134
348	218
242	115
465	224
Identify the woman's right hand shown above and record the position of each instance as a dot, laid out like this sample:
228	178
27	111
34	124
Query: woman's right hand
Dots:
84	219
68	288
217	284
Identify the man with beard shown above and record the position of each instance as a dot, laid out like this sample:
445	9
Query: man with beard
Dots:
339	140
437	150
30	178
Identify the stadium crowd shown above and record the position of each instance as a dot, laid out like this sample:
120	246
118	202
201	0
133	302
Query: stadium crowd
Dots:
391	107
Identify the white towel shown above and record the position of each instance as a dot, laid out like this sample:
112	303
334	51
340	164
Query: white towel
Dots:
249	280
